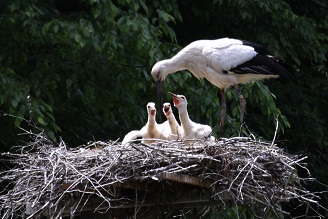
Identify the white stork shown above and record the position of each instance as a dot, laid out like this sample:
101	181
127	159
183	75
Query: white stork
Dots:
175	129
151	132
223	62
190	128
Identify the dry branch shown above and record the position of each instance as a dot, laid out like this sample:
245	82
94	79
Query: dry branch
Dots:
44	178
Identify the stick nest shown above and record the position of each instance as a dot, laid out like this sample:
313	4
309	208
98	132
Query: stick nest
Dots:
44	178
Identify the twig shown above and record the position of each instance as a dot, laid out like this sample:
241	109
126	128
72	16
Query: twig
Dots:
52	175
276	131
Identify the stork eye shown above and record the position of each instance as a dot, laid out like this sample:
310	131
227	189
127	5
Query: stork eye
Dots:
158	74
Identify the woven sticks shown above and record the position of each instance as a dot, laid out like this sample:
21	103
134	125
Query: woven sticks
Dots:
44	178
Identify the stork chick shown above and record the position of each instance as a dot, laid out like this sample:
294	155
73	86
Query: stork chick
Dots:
190	129
175	128
151	132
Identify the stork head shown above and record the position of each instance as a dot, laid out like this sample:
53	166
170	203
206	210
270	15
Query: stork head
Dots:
158	71
167	110
151	109
179	100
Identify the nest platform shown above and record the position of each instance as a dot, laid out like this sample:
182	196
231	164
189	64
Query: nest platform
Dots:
53	180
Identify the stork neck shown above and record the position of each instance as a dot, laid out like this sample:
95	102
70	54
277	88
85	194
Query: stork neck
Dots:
151	120
184	117
175	64
173	124
172	120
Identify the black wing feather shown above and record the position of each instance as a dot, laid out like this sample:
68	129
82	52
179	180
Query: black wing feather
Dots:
263	63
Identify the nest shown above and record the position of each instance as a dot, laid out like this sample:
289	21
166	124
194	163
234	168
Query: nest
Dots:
48	179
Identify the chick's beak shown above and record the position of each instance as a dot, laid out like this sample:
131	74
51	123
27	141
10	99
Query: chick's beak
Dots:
175	98
153	112
172	95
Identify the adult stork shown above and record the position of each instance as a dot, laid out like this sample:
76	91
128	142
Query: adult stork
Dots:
223	62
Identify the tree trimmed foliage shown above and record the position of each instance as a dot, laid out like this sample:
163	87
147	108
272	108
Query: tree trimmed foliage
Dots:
78	69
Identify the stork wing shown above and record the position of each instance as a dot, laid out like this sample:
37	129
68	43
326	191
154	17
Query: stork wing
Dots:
165	130
266	65
203	131
131	136
243	57
223	56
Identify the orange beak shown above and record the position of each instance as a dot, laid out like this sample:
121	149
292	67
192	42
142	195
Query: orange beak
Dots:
166	110
152	112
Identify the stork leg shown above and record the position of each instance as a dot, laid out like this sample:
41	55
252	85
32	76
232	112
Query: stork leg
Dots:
242	106
223	110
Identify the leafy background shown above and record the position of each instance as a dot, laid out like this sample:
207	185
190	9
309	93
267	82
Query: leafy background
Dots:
80	69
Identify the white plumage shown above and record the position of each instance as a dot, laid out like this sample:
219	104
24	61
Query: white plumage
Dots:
151	132
190	129
175	130
223	62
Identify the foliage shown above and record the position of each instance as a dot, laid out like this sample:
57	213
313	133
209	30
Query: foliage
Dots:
73	70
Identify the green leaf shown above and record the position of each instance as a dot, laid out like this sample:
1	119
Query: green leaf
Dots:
69	82
12	7
165	16
96	12
86	31
41	121
51	135
144	6
18	122
77	37
56	28
14	103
